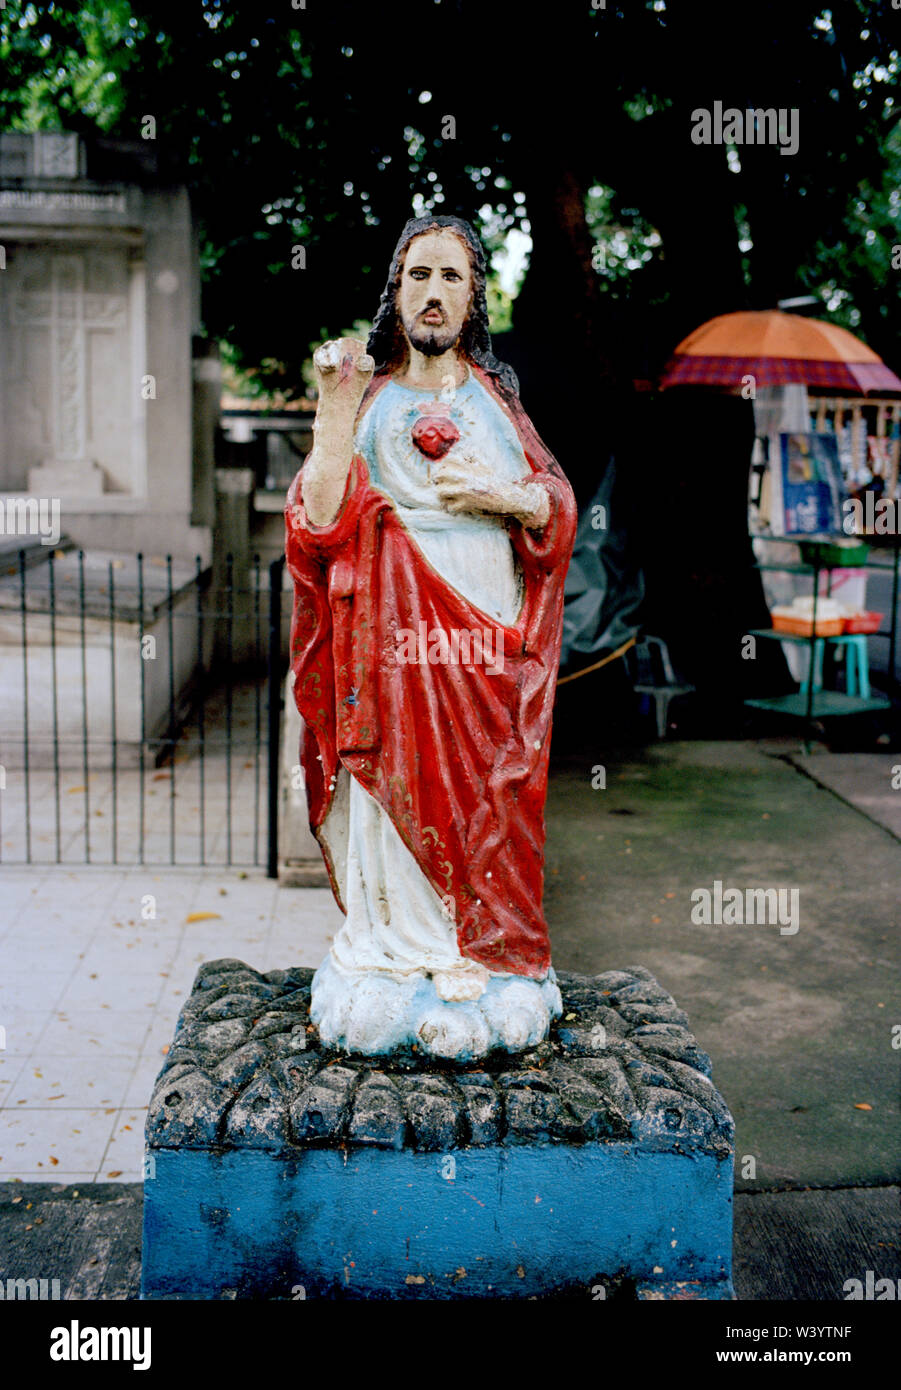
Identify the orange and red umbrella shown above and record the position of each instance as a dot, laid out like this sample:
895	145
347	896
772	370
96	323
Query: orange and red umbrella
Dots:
776	349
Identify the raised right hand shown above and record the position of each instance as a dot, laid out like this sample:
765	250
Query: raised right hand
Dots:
343	369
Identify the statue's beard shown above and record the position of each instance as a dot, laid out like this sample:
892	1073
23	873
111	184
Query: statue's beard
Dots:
432	339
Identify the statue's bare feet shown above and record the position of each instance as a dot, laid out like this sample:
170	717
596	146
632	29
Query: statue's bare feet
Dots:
517	1012
467	981
453	1033
374	1011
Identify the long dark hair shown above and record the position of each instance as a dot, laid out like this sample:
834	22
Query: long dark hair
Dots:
387	343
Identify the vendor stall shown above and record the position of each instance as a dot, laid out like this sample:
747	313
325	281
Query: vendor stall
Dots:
824	475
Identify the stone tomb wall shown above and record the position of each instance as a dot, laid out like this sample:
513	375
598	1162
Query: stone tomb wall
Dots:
66	315
99	304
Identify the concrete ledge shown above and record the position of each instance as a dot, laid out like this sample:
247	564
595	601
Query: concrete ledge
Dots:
300	862
305	873
601	1159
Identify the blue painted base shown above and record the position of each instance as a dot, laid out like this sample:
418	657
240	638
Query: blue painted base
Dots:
596	1164
533	1220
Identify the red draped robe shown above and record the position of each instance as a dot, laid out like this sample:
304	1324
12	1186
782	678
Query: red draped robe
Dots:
457	755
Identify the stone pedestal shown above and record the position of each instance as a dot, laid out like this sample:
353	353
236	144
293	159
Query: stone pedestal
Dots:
597	1165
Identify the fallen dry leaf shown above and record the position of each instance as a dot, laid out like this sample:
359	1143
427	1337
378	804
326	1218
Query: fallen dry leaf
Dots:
862	1105
114	1173
201	916
53	1160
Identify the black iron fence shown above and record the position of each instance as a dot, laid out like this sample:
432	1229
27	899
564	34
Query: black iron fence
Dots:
140	702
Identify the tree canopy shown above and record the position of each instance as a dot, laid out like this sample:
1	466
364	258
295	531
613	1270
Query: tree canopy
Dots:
323	126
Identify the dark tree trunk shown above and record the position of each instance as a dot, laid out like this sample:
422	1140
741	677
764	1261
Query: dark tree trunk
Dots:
564	334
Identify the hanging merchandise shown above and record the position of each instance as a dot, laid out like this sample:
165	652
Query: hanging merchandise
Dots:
811	484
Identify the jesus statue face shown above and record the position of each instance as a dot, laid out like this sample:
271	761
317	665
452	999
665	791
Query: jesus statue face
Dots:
435	291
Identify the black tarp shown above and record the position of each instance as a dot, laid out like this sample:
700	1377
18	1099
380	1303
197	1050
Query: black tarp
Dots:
604	585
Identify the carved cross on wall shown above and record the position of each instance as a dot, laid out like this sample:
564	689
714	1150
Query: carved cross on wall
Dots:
69	313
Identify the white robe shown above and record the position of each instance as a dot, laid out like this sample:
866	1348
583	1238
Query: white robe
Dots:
396	921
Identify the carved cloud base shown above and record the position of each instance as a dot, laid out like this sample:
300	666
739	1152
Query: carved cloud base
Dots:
371	1012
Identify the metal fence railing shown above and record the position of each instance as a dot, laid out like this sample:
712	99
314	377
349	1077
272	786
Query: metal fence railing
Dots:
140	707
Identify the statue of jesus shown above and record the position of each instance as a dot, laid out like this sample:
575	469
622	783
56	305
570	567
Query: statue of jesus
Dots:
428	536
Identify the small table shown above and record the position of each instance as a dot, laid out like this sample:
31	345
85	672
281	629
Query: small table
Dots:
811	701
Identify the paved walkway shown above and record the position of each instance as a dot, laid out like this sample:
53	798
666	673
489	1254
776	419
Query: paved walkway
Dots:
799	1026
870	782
90	990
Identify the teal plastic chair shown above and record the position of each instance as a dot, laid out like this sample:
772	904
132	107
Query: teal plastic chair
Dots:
857	664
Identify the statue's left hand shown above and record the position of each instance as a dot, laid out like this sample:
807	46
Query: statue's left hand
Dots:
465	485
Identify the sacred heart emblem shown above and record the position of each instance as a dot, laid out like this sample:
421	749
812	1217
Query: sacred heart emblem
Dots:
434	434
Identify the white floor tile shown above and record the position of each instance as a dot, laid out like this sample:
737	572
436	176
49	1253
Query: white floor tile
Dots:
63	1178
67	1083
31	1139
124	1157
94	1033
22	1031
